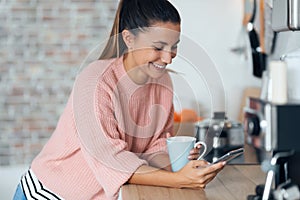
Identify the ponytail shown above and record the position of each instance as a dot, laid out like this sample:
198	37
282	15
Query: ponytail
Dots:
136	15
112	48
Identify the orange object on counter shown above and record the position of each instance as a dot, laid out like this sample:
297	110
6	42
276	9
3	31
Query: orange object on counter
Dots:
187	115
200	118
177	117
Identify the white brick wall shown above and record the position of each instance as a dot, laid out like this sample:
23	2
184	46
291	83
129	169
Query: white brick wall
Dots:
42	45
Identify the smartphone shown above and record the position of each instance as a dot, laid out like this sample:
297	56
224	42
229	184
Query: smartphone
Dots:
230	155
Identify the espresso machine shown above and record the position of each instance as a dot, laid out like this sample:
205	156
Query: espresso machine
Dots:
272	131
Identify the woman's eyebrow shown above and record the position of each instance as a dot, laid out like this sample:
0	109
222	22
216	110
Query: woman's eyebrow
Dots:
165	43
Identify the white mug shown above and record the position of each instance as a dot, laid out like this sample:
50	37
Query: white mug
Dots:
179	148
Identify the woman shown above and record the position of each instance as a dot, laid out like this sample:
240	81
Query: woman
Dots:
113	130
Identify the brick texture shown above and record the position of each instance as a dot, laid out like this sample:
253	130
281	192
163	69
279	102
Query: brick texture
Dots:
43	44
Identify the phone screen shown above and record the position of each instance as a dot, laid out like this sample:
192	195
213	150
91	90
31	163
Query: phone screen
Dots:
230	155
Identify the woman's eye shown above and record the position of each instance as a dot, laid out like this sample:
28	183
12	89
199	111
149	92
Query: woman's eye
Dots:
158	48
174	48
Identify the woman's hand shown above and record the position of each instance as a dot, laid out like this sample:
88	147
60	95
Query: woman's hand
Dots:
195	152
197	174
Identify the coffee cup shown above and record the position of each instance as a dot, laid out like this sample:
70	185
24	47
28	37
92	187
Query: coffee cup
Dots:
179	148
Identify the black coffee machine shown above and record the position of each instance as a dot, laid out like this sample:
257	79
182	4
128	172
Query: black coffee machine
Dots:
272	130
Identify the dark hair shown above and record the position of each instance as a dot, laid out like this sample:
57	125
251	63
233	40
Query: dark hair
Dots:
136	15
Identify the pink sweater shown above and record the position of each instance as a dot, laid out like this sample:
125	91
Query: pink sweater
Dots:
109	128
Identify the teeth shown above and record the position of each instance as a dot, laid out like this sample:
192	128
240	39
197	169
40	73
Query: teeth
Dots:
159	66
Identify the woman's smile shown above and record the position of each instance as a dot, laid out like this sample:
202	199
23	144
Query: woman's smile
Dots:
158	66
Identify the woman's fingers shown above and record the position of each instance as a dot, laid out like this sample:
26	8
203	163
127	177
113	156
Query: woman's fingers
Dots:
215	168
208	173
195	152
193	156
168	135
199	163
206	170
198	173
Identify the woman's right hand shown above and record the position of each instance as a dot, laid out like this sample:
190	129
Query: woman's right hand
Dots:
197	174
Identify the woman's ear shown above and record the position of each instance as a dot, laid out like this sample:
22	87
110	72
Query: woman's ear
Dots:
128	38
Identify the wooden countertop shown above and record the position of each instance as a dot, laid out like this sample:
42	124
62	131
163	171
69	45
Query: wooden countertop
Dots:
233	182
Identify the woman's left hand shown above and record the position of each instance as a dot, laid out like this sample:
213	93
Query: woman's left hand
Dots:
194	153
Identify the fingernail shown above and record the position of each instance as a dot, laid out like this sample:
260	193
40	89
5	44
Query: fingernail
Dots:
189	157
224	163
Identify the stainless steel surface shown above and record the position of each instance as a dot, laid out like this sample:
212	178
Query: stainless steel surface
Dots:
294	15
286	15
221	135
260	122
221	132
272	171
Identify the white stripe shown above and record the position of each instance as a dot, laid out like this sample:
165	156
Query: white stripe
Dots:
39	188
45	190
34	182
31	188
25	188
120	194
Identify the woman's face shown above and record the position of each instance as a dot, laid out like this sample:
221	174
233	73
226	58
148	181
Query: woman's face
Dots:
152	50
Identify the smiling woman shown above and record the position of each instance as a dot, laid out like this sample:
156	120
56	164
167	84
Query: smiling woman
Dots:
147	56
114	127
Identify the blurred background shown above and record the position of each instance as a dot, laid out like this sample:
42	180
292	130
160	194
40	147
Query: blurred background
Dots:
42	45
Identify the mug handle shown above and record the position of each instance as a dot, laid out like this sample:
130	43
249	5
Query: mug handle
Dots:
203	144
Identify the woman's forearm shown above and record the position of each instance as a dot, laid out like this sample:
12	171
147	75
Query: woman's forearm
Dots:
195	174
147	175
160	160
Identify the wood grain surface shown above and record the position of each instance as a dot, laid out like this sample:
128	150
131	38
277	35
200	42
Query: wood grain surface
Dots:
234	182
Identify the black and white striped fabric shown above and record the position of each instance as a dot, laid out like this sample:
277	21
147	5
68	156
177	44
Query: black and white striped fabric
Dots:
34	190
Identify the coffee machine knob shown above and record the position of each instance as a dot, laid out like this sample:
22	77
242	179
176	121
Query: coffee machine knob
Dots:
253	126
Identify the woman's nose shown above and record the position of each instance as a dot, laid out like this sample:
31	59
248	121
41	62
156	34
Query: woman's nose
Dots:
166	57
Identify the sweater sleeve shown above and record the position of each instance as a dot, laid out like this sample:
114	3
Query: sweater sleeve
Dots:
103	148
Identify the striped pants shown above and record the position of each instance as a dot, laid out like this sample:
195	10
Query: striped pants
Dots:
30	188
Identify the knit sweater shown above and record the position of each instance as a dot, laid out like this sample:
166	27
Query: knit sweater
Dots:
109	128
